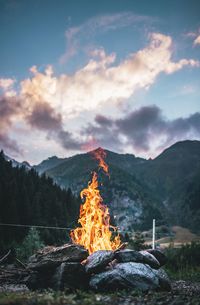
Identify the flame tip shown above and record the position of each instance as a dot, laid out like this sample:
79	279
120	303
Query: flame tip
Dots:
95	232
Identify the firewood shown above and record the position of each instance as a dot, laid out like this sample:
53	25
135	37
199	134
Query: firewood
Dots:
5	257
121	247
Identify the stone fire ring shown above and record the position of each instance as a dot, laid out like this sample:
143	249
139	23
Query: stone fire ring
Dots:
70	266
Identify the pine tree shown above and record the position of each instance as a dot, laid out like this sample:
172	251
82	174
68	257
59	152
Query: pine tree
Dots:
30	244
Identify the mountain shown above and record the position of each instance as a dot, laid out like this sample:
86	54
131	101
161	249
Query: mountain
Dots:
131	203
48	164
167	187
16	163
174	166
175	177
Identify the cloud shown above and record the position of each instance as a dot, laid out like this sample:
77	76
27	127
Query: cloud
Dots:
195	36
81	35
6	83
9	109
33	107
43	117
197	40
6	86
49	101
145	130
190	34
102	79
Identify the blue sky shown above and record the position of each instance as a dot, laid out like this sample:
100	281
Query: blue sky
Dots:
79	74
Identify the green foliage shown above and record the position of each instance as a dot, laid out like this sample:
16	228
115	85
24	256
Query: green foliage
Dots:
184	262
31	243
133	296
27	198
137	243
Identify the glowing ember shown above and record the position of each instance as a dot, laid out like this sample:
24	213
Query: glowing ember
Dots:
94	233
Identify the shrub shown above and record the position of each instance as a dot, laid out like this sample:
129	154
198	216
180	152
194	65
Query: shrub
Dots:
31	243
184	262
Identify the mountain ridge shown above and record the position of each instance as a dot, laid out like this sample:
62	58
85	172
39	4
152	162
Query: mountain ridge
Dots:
166	188
158	184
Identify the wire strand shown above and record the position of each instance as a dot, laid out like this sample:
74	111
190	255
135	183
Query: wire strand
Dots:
33	226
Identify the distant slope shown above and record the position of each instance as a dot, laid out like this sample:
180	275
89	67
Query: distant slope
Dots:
131	203
175	165
48	164
16	163
167	187
174	176
177	237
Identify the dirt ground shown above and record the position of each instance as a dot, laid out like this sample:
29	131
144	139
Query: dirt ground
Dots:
183	293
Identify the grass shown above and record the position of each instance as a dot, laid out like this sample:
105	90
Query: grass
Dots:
183	264
77	297
184	273
90	298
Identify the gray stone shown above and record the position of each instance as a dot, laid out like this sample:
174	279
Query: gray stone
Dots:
98	260
70	275
126	276
164	281
39	281
128	255
150	260
50	257
159	255
67	275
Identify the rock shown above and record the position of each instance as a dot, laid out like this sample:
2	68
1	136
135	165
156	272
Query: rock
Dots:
50	257
150	260
70	275
44	265
126	276
164	281
159	255
98	260
128	255
37	281
67	275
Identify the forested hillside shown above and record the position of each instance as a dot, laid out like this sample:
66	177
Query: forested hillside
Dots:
166	188
27	198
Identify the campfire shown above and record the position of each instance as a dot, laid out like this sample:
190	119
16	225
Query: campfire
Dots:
96	259
95	231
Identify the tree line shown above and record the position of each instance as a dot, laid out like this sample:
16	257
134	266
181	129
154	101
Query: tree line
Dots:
30	199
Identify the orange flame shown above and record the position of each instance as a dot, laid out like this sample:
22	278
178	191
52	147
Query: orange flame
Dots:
100	154
94	233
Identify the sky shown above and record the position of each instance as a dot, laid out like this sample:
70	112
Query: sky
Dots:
76	75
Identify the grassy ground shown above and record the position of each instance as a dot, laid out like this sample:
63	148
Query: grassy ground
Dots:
183	293
183	268
188	274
